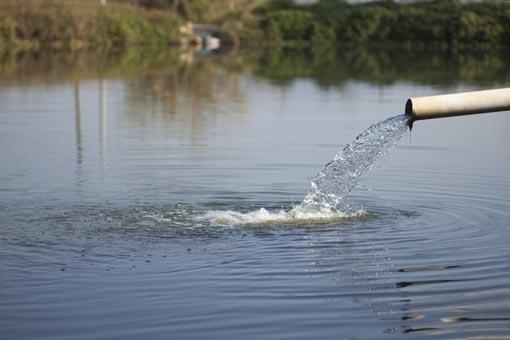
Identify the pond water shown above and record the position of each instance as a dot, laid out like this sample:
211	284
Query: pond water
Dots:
131	189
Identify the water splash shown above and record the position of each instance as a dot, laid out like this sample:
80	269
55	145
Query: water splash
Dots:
329	188
263	216
325	200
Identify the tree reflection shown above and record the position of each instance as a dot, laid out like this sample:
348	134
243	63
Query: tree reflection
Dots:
329	67
168	74
183	85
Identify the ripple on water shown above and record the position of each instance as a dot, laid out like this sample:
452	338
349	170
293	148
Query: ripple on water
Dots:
421	269
433	260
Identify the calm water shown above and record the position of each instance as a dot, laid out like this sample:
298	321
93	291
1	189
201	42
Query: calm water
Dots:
131	190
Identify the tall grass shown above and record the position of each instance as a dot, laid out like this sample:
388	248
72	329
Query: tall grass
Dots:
73	24
76	24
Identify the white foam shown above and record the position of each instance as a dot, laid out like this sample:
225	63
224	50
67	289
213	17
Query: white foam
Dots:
263	216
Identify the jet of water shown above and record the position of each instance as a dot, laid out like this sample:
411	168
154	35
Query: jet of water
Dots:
331	185
325	199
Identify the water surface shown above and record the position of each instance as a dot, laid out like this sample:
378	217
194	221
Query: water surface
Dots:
127	184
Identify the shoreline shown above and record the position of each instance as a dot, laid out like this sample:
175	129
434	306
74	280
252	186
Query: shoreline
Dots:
70	26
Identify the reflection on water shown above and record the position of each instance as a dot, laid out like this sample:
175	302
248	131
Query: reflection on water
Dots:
103	121
184	94
327	67
77	110
385	66
110	163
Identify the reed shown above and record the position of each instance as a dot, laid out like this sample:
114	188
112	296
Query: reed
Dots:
67	24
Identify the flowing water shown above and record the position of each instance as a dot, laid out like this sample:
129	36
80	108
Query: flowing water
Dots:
325	200
169	200
330	187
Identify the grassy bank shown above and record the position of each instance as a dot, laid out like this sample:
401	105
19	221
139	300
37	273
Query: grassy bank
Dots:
68	24
440	22
71	24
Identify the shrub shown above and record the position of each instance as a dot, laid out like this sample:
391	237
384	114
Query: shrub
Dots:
273	33
7	34
116	30
479	28
323	35
368	24
274	5
418	25
292	24
72	24
443	22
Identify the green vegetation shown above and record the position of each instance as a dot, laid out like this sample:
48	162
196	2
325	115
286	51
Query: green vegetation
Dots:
8	39
73	24
440	22
67	24
326	24
205	11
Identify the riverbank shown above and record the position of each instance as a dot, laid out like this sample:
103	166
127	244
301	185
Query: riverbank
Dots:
72	25
442	23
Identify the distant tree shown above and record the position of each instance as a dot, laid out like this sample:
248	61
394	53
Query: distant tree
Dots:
203	10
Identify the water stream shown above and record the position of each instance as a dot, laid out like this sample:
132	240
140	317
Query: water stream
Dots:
332	184
326	197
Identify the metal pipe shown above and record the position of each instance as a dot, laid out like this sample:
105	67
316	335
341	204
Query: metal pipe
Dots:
458	104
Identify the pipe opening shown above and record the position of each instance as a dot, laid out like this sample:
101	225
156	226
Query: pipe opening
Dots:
409	107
